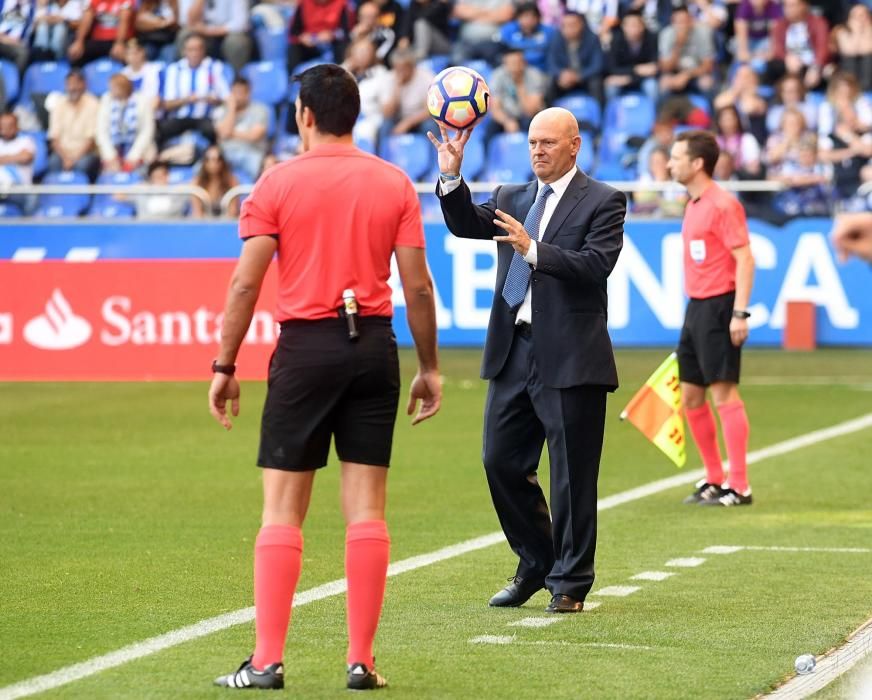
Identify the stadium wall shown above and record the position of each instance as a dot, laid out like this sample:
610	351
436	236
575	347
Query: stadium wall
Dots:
143	301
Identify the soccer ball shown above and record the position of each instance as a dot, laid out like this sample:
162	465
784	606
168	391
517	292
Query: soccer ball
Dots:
458	97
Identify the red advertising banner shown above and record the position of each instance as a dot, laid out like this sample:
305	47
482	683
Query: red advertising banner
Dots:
123	320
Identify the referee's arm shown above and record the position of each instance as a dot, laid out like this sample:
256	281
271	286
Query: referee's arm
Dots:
744	281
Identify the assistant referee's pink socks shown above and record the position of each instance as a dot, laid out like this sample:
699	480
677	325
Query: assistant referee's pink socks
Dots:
734	422
278	558
705	434
367	552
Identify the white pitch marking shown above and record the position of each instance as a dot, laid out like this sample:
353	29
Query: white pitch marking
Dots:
834	550
496	639
29	254
82	254
536	621
138	650
686	562
831	666
591	605
721	549
617	591
652	576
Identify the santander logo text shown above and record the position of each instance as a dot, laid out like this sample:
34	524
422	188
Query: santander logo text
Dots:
59	328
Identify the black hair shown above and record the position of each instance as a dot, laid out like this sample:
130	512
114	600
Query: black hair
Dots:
331	93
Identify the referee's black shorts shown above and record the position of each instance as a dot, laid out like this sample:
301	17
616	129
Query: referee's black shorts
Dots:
705	352
322	385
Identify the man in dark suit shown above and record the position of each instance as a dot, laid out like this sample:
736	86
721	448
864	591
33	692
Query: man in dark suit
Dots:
548	355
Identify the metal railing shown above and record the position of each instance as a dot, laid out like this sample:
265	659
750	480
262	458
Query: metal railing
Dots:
142	189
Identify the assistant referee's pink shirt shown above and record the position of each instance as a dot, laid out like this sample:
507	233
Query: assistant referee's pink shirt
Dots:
714	224
338	213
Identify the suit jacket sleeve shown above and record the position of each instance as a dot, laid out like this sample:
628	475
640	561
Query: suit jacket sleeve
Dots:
599	253
465	219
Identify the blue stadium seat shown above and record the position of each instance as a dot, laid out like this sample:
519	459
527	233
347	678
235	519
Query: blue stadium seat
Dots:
40	158
412	152
435	64
585	157
181	174
58	205
272	44
105	206
631	113
613	170
508	158
42	78
97	74
9	73
473	160
269	81
227	69
482	67
286	145
700	101
584	108
431	210
365	145
243	178
8	210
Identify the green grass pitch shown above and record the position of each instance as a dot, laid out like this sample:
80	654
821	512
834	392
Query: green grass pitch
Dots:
126	512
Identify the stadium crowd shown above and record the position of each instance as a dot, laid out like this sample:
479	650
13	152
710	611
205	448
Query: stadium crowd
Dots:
198	91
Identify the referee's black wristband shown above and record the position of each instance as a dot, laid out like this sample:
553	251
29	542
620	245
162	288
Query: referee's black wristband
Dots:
223	369
738	313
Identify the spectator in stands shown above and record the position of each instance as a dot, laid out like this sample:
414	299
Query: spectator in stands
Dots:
159	206
667	203
725	169
479	32
687	55
848	149
362	63
782	146
844	98
575	59
320	28
744	96
16	27
600	15
656	13
711	13
800	45
72	127
224	27
790	92
269	160
853	41
517	94
17	152
241	126
527	33
105	26
405	88
753	27
427	27
51	32
806	180
217	179
190	89
369	27
740	144
143	74
125	127
632	59
157	27
662	136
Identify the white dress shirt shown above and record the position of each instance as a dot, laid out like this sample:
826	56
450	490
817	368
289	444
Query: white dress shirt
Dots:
525	311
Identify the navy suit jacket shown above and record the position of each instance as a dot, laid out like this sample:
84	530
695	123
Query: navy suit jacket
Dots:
576	254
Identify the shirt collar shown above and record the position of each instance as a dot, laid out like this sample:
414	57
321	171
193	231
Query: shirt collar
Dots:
559	186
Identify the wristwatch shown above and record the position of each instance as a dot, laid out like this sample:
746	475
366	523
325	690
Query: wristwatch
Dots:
739	313
223	369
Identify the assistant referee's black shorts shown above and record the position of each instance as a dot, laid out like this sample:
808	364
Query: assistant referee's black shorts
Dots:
705	352
323	385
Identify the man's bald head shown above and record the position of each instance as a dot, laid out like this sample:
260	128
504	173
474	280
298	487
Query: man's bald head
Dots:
554	143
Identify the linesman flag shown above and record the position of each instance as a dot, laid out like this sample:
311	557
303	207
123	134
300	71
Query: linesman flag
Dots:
656	411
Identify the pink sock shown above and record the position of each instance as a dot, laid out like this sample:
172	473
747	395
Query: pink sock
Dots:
734	422
278	558
705	433
367	552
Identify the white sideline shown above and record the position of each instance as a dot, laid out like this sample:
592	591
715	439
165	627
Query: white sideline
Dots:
75	672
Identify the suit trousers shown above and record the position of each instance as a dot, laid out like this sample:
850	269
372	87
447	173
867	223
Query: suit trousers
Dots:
522	414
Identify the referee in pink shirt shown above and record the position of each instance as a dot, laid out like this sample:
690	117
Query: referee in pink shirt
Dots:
718	275
332	217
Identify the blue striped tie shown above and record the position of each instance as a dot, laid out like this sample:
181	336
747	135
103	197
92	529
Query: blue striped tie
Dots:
518	277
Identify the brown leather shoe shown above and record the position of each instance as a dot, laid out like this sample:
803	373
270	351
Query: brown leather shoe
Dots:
516	593
564	604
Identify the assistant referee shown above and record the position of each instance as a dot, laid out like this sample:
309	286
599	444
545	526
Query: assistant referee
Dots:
718	275
335	215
